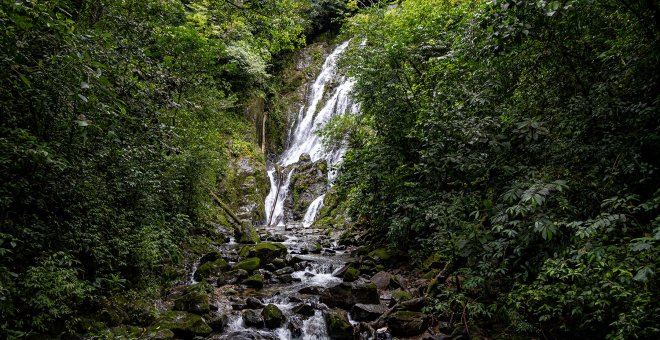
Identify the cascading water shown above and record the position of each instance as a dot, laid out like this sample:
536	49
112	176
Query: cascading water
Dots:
313	258
304	140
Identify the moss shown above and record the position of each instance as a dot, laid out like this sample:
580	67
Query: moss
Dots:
250	264
194	299
401	295
382	253
338	325
431	274
125	332
183	324
266	251
198	245
351	274
254	281
273	316
211	268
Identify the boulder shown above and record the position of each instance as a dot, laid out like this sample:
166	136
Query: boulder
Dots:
254	281
295	324
267	252
337	324
273	317
211	268
303	309
312	290
253	303
210	257
351	274
363	312
252	318
194	300
413	305
183	324
345	294
382	280
285	270
406	323
218	322
249	264
157	334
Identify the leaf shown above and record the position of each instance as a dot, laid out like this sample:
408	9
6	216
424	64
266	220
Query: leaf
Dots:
84	85
643	274
25	80
83	98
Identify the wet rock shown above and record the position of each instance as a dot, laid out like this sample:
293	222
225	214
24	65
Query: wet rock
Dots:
252	318
194	300
210	257
308	274
295	325
249	264
267	252
363	312
273	317
157	334
212	268
303	309
406	323
183	324
351	274
312	290
246	234
279	263
285	270
218	322
292	260
337	324
254	281
249	334
385	280
346	294
300	266
413	305
286	278
254	303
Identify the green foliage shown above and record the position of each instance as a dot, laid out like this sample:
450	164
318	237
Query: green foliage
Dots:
118	120
518	140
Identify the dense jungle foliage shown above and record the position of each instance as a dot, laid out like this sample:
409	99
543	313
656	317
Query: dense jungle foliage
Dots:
518	142
118	120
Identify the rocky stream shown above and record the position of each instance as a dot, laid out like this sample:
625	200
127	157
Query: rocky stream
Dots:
299	281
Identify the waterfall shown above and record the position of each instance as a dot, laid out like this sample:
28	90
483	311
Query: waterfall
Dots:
303	138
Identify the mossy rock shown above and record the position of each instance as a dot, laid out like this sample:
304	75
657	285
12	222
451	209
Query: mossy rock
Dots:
247	235
126	332
273	317
303	309
268	251
407	324
183	324
210	257
435	261
351	274
337	325
194	300
250	264
158	334
382	254
212	268
401	295
254	281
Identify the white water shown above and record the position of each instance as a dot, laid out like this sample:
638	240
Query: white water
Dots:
313	211
304	139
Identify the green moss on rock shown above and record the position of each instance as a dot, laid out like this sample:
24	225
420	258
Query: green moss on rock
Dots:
250	264
183	324
337	325
212	268
273	317
254	281
194	300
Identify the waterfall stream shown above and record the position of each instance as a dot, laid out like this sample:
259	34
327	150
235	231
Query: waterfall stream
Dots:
304	139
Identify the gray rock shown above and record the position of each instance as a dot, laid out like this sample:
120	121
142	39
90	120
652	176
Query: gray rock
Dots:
252	318
363	312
